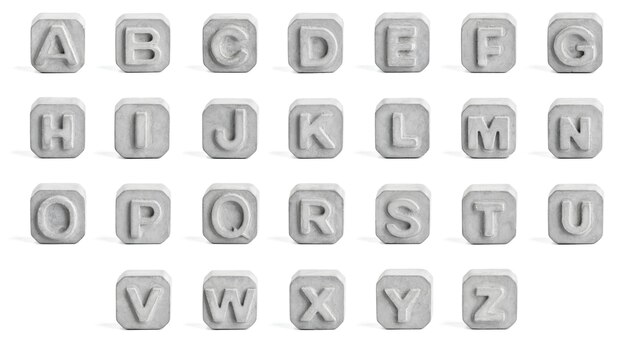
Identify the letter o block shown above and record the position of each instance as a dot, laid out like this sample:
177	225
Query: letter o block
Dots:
142	128
143	213
402	42
142	299
230	213
576	214
575	42
403	213
316	213
229	299
57	213
575	128
57	127
316	128
315	43
402	128
404	299
317	299
229	43
142	42
489	299
488	42
57	42
489	214
229	128
488	128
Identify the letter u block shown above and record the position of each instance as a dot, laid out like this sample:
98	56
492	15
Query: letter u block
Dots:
316	128
57	127
315	43
316	213
576	214
575	42
402	42
229	299
142	42
488	42
489	214
230	213
403	213
489	299
317	299
229	128
142	299
57	42
575	128
142	128
143	213
404	299
488	128
57	213
229	43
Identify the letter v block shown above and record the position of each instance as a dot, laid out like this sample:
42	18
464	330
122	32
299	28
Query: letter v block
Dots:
575	128
315	43
316	299
315	128
489	299
229	299
142	128
576	214
404	299
229	128
142	42
489	214
143	299
57	42
57	127
316	213
402	128
488	128
143	213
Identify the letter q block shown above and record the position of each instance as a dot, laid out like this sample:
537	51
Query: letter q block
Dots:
229	43
488	42
230	213
488	128
315	43
142	42
143	213
403	213
57	213
316	213
57	127
57	42
575	42
402	42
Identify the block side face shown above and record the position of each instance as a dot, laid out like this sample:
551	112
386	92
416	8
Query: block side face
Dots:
575	44
489	217
402	216
327	291
57	130
142	130
229	44
402	130
57	43
489	301
230	130
142	44
143	301
57	216
402	43
316	216
403	301
229	300
230	216
575	130
488	129
315	130
143	216
315	44
575	216
488	44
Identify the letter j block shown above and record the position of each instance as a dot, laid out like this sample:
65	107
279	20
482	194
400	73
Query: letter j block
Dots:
488	128
142	42
57	127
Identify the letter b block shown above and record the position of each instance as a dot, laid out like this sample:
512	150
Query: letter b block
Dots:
57	127
229	43
57	213
575	214
316	299
488	128
575	42
57	42
143	213
402	128
488	42
230	213
404	299
403	213
489	299
315	128
315	43
142	42
402	42
229	299
316	213
143	299
575	128
142	128
229	128
489	214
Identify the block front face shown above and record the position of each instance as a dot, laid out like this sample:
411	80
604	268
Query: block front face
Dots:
402	128
143	299
57	42
488	128
316	213
229	43
230	213
57	213
316	128
403	214
57	127
229	128
576	214
489	214
142	43
142	128
315	43
404	299
575	128
317	299
488	42
402	42
143	214
575	42
230	300
489	299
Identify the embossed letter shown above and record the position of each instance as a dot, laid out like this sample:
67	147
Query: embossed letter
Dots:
142	45
57	45
488	311
484	50
497	130
404	305
490	210
569	217
241	311
318	46
318	304
401	46
568	133
396	209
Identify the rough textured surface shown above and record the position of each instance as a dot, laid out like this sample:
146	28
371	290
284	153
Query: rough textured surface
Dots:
57	42
315	42
489	299
316	213
575	42
576	214
317	299
488	42
142	42
57	213
402	127
404	299
575	128
229	128
57	127
143	213
489	214
403	213
402	42
230	213
316	128
143	299
229	299
229	43
142	128
488	128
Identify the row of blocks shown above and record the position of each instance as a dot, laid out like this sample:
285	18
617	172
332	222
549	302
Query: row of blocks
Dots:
315	42
316	214
229	128
317	298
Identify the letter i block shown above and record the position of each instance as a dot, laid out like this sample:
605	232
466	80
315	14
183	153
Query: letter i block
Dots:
489	214
315	43
316	128
57	213
142	42
143	213
488	42
230	299
402	128
575	42
142	128
489	299
402	42
230	213
229	128
404	299
229	43
575	128
576	214
403	213
316	213
143	299
57	127
488	128
316	299
57	42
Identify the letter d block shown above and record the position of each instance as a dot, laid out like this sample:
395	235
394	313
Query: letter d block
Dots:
143	213
488	128
315	128
230	213
142	42
142	128
57	213
316	213
403	213
575	42
488	42
575	128
489	214
229	128
576	214
142	299
316	299
402	128
229	43
57	42
402	42
230	299
315	43
489	299
57	127
404	299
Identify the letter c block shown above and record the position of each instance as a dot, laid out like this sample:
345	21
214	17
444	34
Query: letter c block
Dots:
315	43
57	213
230	213
142	42
229	43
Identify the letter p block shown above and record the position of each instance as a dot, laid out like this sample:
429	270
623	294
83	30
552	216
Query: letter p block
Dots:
143	213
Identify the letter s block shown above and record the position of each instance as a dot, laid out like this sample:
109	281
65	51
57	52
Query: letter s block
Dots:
230	213
488	42
489	299
316	213
57	127
142	299
575	42
229	43
489	214
488	128
402	42
404	299
403	213
315	43
576	214
142	42
57	213
229	299
57	42
143	213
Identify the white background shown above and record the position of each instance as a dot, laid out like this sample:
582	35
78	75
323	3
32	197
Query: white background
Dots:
65	293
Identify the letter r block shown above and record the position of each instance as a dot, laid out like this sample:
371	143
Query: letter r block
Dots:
143	213
404	299
315	43
403	213
575	128
489	214
142	299
57	42
229	43
57	213
489	299
229	128
576	214
316	213
57	127
229	299
488	42
230	213
142	42
317	299
488	128
402	42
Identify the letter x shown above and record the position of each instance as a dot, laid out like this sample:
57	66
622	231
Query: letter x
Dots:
318	304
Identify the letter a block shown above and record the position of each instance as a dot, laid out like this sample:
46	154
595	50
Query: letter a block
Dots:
143	213
403	213
230	213
229	128
316	299
489	299
142	42
57	42
229	299
575	128
404	299
315	43
575	214
143	299
142	128
488	42
316	213
57	127
316	128
488	128
402	128
575	42
229	43
489	214
402	42
57	213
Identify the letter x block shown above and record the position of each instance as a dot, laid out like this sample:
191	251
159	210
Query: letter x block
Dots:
316	299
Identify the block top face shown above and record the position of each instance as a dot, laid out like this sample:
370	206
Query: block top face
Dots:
402	127
57	127
403	272
231	273
575	42
142	42
57	212
58	42
229	43
489	299
315	43
405	188
488	128
143	299
317	299
315	128
488	42
575	128
402	42
576	214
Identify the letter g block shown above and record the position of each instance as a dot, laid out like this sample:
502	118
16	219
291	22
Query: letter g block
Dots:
316	213
142	42
57	213
575	42
315	43
229	43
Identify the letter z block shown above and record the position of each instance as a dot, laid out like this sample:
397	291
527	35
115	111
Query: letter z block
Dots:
489	299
